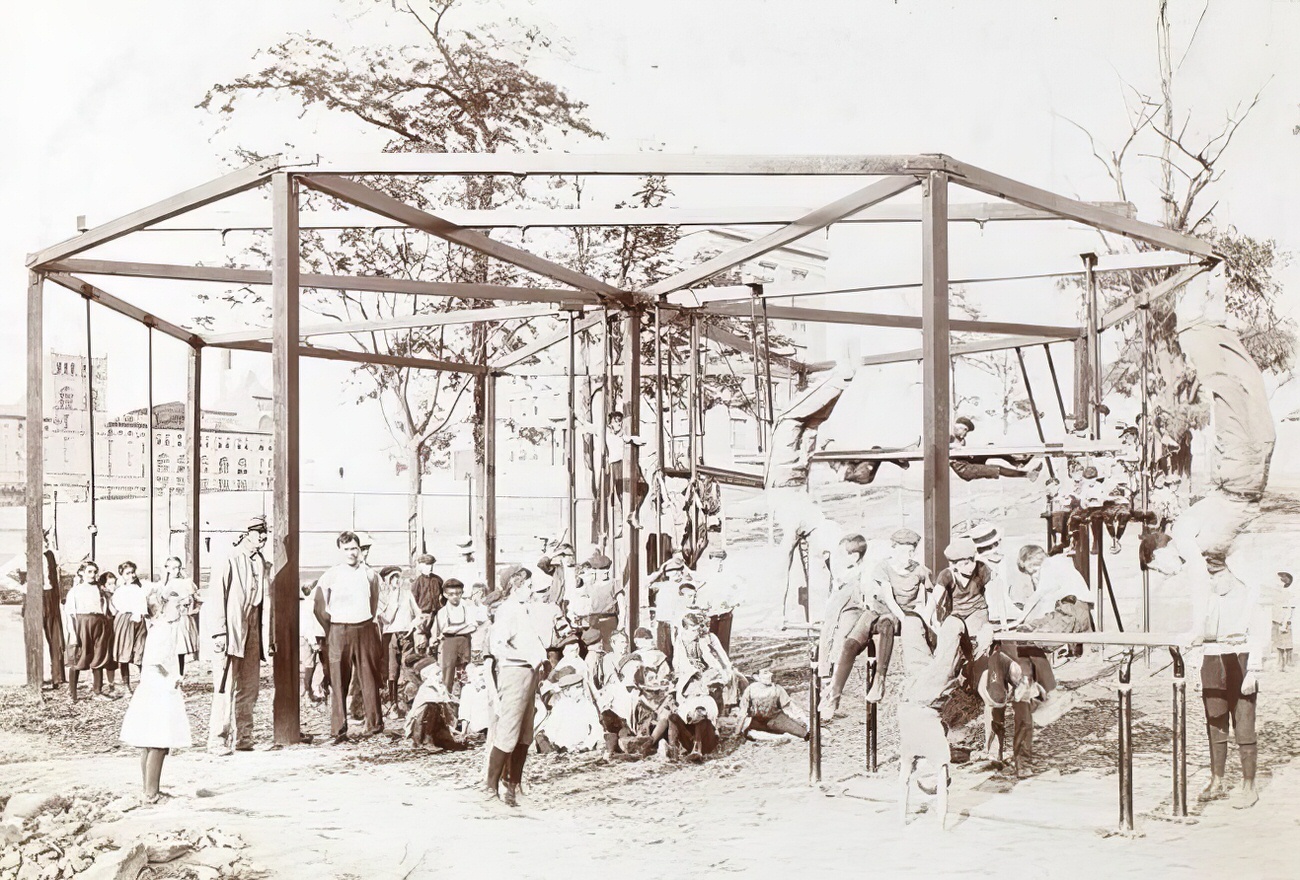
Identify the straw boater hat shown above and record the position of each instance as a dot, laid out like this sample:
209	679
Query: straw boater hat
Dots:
985	535
465	542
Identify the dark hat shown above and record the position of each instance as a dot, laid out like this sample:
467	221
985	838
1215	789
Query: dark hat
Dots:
452	584
599	561
905	536
963	420
1090	473
642	633
388	571
425	559
256	524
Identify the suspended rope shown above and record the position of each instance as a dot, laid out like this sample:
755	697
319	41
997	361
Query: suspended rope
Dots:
1033	408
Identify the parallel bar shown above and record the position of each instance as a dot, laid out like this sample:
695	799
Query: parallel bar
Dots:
1155	292
571	438
586	217
34	601
913	453
235	182
194	456
959	349
368	283
380	203
122	307
902	322
508	359
821	218
633	164
632	462
405	322
936	374
285	404
1072	209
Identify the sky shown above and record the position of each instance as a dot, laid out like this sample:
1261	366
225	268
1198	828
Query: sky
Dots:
99	100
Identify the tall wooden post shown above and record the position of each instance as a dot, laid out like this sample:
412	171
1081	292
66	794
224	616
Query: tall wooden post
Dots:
33	604
571	439
936	378
285	340
632	461
149	459
489	506
90	431
194	456
1093	340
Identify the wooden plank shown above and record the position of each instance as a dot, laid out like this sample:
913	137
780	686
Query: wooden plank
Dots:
634	164
960	348
1156	291
194	459
369	283
903	322
404	322
935	335
506	360
489	507
631	465
34	601
915	453
380	203
1032	197
204	194
586	217
284	485
122	307
872	194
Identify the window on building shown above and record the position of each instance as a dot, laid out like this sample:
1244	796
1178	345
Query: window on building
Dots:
181	462
223	466
799	274
223	484
163	464
203	464
241	466
243	484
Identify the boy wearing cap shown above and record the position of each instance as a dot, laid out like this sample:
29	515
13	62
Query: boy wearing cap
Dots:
399	617
961	608
765	707
427	588
453	631
858	615
237	608
559	564
970	467
905	588
604	593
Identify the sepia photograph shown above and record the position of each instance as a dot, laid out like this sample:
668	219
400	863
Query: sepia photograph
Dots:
529	438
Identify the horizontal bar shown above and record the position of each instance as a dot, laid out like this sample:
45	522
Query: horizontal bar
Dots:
1130	308
508	359
732	340
724	476
914	453
214	190
545	218
363	357
369	283
1032	197
372	200
122	307
1130	639
405	322
902	322
961	348
636	164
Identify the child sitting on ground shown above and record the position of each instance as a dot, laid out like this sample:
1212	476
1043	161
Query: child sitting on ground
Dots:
694	720
155	721
475	711
428	723
572	722
648	654
763	709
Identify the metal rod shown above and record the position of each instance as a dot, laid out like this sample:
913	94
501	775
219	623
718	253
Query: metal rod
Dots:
1125	692
1144	474
1103	574
872	738
814	719
1033	407
1056	383
692	393
90	427
1180	734
149	458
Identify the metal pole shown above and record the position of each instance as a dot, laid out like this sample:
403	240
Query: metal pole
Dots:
767	371
1094	347
1144	500
631	474
572	441
814	719
149	459
757	408
692	394
1033	406
1180	734
1126	743
873	762
90	427
1103	576
1056	383
659	441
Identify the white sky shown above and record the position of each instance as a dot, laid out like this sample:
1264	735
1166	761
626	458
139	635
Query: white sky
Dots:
99	102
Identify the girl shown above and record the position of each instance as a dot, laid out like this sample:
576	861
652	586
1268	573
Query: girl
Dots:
90	639
187	634
129	605
573	722
107	583
155	722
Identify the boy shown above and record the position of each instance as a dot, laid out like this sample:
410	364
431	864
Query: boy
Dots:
1283	616
427	588
453	630
905	580
399	615
313	642
763	708
857	615
1005	679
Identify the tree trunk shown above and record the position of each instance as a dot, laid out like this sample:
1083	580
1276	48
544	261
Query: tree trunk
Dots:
1167	96
415	539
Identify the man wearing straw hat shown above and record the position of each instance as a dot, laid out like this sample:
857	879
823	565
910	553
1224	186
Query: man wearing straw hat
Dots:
237	607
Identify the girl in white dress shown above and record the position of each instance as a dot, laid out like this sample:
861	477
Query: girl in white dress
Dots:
156	722
573	723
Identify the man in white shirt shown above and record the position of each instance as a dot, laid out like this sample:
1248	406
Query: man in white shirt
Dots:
347	603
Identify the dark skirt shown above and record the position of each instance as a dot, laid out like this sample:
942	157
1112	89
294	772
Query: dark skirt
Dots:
128	639
94	648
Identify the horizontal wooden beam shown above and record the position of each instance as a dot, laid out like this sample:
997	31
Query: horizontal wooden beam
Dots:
635	164
369	283
549	218
362	357
732	340
914	453
122	307
873	194
902	322
212	191
372	200
1032	197
723	476
1133	306
405	322
508	359
962	348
